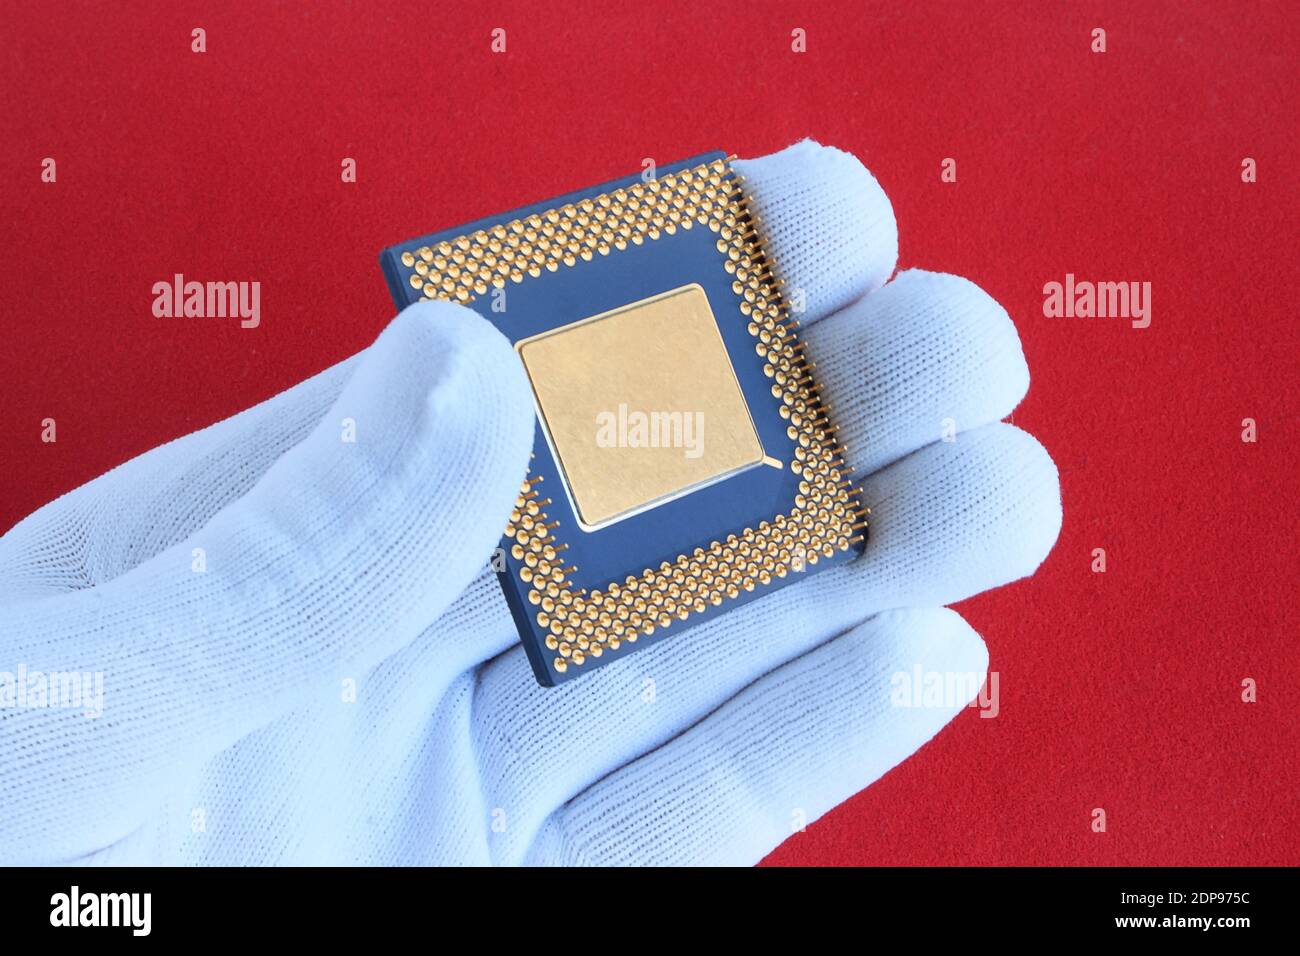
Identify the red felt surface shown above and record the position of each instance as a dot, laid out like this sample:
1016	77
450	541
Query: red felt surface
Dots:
1118	690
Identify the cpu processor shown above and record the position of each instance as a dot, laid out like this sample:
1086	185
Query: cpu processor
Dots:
685	462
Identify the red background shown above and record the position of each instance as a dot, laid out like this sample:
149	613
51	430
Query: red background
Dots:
1118	690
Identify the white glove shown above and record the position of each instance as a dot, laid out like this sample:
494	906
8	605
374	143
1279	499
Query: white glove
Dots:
305	659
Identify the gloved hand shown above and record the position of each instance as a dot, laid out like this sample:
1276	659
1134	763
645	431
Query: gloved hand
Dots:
306	660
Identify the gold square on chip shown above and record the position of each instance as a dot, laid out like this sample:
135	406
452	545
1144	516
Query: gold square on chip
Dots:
640	404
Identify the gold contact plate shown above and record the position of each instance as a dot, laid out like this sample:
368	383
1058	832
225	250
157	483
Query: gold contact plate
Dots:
827	515
640	404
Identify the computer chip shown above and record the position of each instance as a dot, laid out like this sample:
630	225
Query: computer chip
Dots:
684	462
